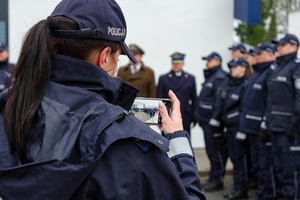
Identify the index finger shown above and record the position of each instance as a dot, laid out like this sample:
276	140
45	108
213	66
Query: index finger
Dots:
176	102
162	110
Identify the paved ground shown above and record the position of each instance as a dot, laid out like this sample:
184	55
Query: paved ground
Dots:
203	167
218	195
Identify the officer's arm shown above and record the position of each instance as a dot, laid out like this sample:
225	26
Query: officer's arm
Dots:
218	104
194	95
296	79
160	88
158	176
240	135
152	86
182	155
180	149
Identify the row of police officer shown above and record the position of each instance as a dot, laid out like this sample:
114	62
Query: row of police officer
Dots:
268	109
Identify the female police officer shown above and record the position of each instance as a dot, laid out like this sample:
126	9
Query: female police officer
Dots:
64	129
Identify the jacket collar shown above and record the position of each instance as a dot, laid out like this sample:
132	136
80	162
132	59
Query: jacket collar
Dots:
210	72
236	81
262	66
281	60
3	63
75	72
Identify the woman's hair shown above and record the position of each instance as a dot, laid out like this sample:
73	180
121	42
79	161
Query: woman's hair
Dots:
33	71
249	71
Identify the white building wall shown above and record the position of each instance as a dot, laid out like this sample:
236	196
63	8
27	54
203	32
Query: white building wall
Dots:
160	27
294	24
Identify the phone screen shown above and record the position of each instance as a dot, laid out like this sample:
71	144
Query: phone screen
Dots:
146	109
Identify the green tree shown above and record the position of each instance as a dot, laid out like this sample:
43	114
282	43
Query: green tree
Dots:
274	20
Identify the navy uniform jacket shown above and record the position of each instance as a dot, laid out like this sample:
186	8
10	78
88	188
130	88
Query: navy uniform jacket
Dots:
228	103
284	95
185	89
5	73
82	146
209	91
255	100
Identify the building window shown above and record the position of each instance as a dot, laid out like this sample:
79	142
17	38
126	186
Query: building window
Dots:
4	21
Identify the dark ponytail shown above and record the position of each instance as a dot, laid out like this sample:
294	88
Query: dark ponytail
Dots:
32	73
33	70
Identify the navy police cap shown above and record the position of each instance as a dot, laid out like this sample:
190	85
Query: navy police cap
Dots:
239	46
237	62
288	38
213	55
177	57
251	52
265	46
97	19
3	47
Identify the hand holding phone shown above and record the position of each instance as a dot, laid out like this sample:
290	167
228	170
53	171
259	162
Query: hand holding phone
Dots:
146	109
172	123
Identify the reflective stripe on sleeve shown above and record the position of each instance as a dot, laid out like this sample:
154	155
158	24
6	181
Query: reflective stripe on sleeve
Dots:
281	113
232	115
241	136
253	117
295	148
214	122
263	125
7	74
206	107
180	145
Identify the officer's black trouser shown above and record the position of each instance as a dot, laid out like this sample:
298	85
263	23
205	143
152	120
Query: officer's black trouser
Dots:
186	121
237	154
286	159
261	158
216	149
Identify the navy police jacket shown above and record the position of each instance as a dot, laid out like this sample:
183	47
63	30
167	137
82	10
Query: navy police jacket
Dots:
254	104
210	89
185	89
5	74
84	145
284	95
228	103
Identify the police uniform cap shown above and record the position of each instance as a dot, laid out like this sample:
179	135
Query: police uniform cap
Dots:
239	46
136	49
102	20
249	52
213	55
237	62
3	47
288	38
265	46
177	57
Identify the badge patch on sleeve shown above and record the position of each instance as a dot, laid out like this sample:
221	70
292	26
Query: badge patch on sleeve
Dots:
297	83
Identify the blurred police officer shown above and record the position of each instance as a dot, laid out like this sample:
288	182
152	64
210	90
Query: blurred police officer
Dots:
283	118
5	67
249	55
252	119
214	138
237	50
227	110
139	75
183	85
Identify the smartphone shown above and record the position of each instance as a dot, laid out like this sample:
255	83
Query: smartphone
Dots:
146	109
